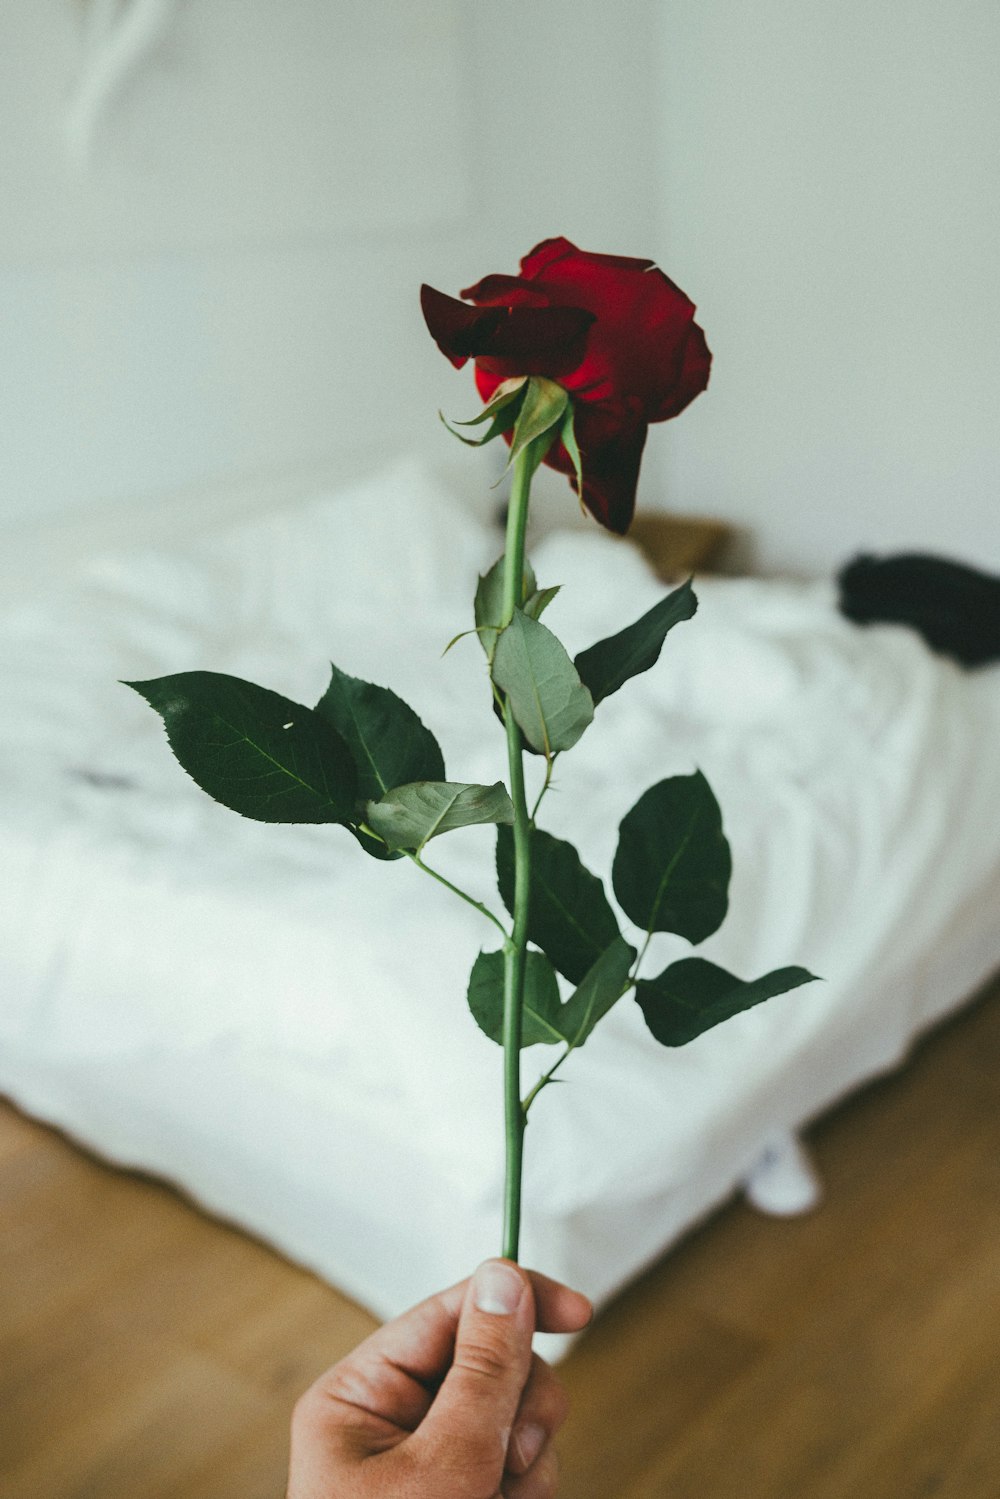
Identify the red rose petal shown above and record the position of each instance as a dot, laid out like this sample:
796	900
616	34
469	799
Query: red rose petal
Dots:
535	341
507	340
696	364
550	251
544	254
610	461
487	382
613	329
454	326
505	291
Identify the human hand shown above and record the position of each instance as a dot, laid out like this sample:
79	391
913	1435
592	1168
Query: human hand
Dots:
446	1402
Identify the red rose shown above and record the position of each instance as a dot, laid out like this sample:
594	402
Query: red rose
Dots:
615	332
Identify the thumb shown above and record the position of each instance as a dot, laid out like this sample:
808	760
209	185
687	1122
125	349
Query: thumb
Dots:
469	1424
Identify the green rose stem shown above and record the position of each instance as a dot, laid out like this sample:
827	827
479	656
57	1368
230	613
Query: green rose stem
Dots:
516	947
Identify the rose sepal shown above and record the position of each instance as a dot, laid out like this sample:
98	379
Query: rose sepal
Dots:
539	420
506	394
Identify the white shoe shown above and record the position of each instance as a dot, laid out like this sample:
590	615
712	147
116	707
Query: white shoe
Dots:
783	1181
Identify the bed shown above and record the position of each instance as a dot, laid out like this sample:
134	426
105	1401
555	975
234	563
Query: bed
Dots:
277	1024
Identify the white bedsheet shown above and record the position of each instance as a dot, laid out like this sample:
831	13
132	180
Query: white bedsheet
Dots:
277	1023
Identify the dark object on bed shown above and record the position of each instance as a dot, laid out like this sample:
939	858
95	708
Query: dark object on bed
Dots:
955	608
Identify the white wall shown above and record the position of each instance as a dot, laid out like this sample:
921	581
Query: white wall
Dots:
831	199
232	286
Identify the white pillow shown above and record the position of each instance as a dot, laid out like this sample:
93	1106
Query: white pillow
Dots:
272	598
396	535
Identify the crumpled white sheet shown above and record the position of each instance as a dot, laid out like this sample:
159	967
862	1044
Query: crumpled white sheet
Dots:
278	1023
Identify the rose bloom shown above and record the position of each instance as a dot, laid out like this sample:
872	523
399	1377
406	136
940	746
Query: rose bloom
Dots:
613	331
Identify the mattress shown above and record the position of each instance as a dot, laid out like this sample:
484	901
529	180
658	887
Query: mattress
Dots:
277	1024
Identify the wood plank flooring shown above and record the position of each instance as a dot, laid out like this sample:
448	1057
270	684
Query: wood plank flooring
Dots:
147	1352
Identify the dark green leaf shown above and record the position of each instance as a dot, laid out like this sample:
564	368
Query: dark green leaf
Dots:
536	605
610	663
253	750
545	1018
410	816
390	745
602	986
489	602
541	998
672	867
569	916
549	702
376	846
692	995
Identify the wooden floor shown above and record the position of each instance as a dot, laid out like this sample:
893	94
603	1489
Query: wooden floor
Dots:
149	1353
